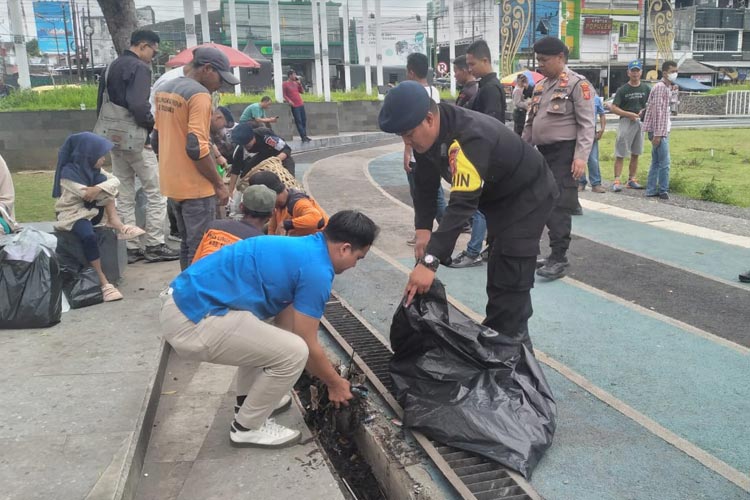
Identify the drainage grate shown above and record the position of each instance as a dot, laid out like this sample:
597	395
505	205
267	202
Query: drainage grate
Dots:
473	476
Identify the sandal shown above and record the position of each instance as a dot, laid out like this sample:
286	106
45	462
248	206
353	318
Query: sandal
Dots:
128	232
110	293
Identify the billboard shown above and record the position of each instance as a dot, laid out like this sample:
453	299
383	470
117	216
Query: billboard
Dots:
52	21
399	38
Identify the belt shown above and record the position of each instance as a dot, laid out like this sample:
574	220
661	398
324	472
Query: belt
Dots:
555	145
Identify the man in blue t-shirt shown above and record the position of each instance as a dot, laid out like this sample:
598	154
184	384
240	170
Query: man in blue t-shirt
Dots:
219	307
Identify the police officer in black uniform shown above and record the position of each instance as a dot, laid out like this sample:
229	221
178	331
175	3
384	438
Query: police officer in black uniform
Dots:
489	168
254	145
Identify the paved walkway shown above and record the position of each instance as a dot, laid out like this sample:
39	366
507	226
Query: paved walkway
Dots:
651	405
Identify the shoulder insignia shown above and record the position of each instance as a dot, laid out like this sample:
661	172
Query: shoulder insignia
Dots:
270	141
464	175
586	90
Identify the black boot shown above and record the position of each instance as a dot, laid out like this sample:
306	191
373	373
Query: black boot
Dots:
554	267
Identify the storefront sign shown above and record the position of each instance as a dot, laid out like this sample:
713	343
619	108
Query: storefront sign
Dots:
597	25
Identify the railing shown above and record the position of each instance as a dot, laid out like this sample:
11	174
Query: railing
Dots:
738	102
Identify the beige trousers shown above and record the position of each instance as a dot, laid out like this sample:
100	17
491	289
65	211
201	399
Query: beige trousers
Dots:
269	359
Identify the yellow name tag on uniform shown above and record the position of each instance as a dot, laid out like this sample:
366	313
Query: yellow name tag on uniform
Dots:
465	177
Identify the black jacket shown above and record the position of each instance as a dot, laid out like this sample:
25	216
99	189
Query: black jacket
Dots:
267	144
129	85
490	98
489	168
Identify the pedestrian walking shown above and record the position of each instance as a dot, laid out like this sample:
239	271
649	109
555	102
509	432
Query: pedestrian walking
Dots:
595	175
560	123
182	139
293	89
658	123
629	103
491	169
126	85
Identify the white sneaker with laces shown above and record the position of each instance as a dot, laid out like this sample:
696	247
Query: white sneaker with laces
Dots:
270	435
284	403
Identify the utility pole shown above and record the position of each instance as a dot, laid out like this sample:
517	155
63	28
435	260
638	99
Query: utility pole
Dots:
324	50
67	41
232	34
378	45
205	28
74	15
493	36
366	46
90	30
273	7
347	58
19	42
451	43
316	49
187	8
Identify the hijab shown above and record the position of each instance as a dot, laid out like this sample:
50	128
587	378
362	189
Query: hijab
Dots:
77	159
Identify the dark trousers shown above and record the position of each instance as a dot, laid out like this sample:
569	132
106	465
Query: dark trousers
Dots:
84	230
193	218
300	119
559	157
519	120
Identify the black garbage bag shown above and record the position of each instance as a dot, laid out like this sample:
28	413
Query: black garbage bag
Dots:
83	288
30	283
462	384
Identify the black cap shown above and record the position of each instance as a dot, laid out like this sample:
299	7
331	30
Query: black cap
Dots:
550	46
268	179
242	133
405	106
217	59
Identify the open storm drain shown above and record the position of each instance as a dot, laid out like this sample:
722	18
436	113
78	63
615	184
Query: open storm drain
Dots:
472	476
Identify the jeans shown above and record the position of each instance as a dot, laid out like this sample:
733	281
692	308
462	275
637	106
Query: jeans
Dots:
84	230
441	203
595	176
658	174
478	232
193	218
300	119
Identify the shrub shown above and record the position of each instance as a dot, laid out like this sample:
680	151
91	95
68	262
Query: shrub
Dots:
713	191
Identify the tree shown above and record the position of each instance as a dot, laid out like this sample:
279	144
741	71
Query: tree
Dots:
32	48
121	21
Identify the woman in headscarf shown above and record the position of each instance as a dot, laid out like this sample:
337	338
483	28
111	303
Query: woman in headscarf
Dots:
86	198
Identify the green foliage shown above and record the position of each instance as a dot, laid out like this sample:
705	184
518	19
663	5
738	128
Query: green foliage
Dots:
713	191
356	94
723	89
59	98
32	48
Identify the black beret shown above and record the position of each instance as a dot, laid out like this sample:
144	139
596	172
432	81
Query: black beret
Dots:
550	46
268	179
405	106
242	133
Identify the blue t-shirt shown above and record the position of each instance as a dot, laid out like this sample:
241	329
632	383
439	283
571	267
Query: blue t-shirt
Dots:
263	275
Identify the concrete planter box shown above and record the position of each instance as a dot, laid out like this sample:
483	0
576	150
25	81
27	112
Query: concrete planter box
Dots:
696	104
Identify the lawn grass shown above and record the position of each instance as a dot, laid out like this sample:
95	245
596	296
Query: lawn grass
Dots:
723	177
723	89
707	164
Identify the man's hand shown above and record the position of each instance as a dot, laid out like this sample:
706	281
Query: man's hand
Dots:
599	134
634	116
222	195
420	281
273	119
656	141
340	392
578	168
407	166
423	238
90	193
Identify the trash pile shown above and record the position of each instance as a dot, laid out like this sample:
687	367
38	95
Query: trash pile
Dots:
466	386
335	428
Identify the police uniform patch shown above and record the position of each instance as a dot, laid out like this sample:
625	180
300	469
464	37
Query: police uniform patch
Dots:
464	175
586	90
270	141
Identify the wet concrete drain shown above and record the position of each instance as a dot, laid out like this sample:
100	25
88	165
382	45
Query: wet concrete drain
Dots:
335	428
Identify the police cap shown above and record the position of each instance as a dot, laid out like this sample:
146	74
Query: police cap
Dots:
405	106
550	46
242	133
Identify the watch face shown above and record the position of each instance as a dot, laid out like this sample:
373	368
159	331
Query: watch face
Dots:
429	259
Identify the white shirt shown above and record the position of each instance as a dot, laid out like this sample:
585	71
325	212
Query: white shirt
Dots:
172	74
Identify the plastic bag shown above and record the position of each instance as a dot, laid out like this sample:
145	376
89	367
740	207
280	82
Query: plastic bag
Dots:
465	386
30	281
83	288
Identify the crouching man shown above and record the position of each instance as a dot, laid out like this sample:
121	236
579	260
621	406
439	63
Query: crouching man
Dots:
218	309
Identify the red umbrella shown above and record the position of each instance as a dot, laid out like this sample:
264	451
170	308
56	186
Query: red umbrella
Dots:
533	77
236	58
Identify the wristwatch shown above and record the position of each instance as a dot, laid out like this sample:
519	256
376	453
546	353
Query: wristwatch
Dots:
430	262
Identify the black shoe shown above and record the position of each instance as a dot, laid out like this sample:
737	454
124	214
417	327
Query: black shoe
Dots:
745	277
134	255
663	196
160	253
541	261
306	139
554	268
577	211
463	259
485	254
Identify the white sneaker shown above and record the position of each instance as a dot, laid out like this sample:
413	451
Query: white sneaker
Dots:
270	435
282	405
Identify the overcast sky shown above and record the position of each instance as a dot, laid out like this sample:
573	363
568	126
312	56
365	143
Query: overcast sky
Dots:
171	9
